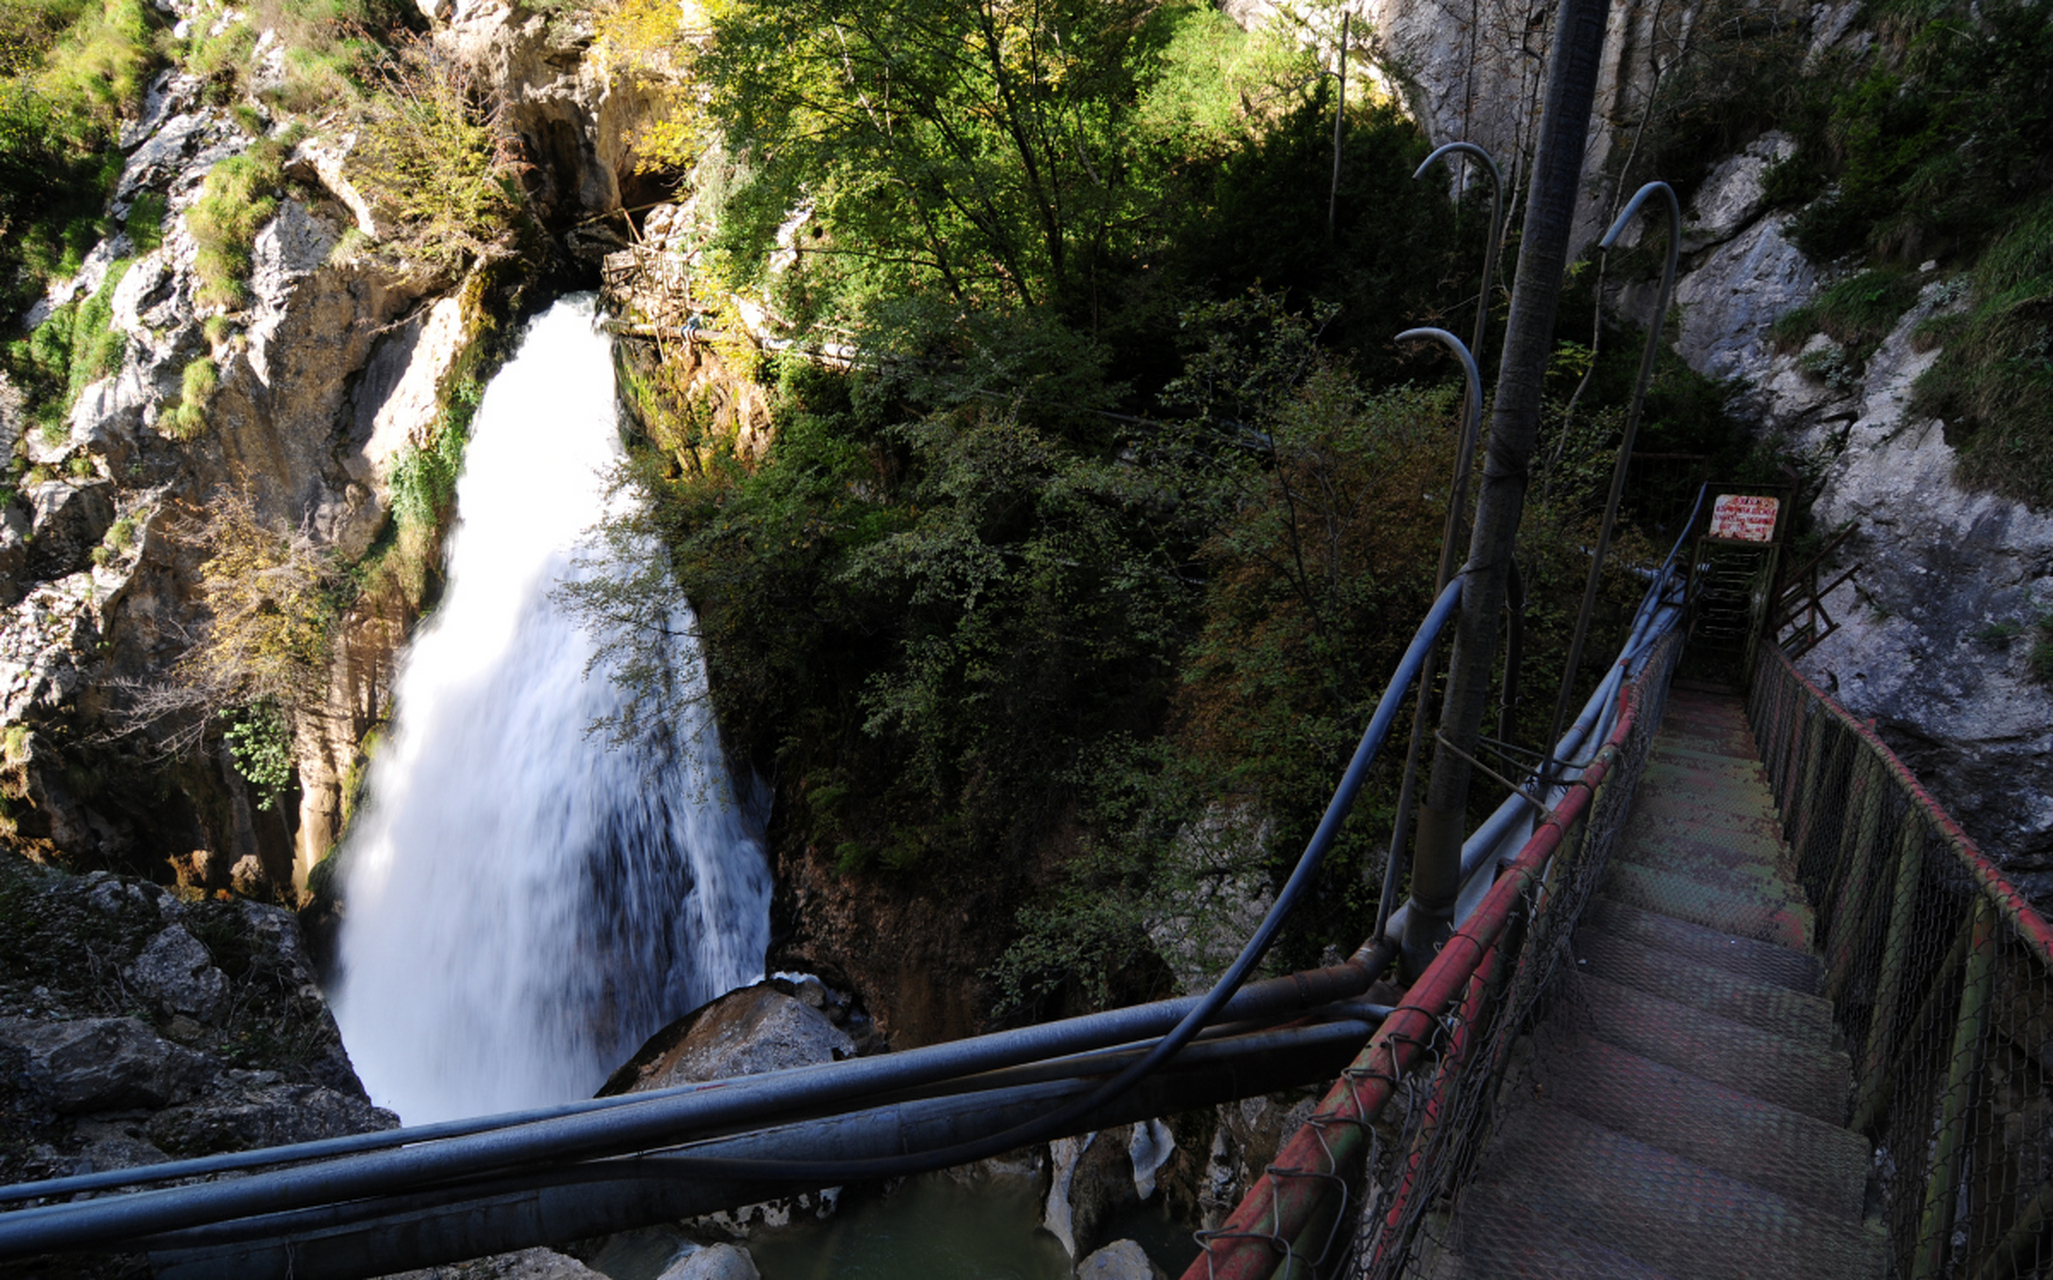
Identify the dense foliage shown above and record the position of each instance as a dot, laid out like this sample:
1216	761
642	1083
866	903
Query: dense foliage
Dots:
1086	579
68	69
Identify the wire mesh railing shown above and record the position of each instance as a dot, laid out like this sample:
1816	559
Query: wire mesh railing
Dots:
1941	976
1412	1110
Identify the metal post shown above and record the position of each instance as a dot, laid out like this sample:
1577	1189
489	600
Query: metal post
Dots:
1566	700
1496	245
1805	810
1450	536
1910	862
1848	923
1865	799
1871	1107
1528	345
1514	654
1935	1227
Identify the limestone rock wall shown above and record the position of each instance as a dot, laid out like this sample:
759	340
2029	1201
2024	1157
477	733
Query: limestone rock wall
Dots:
338	364
137	1027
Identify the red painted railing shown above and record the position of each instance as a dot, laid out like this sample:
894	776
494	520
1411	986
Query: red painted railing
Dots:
1941	975
1295	1217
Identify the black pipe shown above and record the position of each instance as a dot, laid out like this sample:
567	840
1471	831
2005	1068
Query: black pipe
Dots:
635	1123
369	1238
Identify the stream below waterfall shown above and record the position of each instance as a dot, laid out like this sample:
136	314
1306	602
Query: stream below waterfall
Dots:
527	901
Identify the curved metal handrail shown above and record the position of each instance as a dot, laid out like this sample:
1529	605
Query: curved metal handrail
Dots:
1495	249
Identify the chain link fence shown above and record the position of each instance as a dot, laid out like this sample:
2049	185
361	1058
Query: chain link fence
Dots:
1424	1154
1417	1102
1939	974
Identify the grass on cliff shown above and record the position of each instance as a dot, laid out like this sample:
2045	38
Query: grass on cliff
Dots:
240	195
1993	383
68	71
74	348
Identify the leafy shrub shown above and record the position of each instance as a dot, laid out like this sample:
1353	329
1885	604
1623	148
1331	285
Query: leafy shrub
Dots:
424	478
1933	148
239	197
435	154
269	595
1994	380
260	741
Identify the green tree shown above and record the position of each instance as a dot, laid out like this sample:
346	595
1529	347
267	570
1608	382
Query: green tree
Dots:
982	149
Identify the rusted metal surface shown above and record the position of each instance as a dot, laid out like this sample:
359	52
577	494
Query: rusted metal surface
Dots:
1941	973
1745	517
1262	1232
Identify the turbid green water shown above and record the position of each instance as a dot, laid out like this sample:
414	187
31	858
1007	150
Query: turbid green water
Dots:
930	1228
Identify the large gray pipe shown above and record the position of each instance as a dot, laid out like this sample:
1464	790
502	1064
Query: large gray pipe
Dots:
369	1238
633	1124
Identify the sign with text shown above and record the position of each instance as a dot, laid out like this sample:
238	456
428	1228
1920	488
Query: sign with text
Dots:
1743	517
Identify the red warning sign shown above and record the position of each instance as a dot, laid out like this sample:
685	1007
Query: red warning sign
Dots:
1743	517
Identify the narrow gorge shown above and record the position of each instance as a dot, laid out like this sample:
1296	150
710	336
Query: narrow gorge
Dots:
561	546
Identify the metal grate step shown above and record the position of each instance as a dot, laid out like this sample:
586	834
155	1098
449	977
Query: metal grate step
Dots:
1723	1129
1666	1212
1782	918
1501	1237
1671	976
1727	863
1790	1073
1747	957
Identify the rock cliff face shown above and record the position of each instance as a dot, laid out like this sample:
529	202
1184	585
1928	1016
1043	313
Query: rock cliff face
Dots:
1935	629
137	1027
339	363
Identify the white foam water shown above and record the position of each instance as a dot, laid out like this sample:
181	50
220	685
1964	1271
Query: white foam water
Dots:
527	901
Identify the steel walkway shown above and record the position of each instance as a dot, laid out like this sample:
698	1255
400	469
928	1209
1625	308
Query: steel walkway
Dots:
1680	1108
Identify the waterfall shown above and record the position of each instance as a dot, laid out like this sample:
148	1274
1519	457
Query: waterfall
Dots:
526	901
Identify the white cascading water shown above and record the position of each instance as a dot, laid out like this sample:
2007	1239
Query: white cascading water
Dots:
527	902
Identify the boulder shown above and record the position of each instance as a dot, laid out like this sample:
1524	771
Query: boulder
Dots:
263	1111
745	1032
717	1262
1091	1180
100	1064
177	971
1120	1260
1151	1147
68	520
526	1264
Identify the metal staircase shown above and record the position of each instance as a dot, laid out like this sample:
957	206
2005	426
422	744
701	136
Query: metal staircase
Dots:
1679	1111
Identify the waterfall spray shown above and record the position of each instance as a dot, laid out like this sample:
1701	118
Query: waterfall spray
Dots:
527	900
